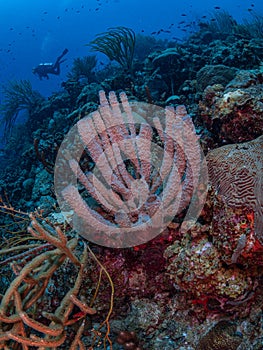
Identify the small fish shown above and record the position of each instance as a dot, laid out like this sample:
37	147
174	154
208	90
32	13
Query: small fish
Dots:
183	15
217	8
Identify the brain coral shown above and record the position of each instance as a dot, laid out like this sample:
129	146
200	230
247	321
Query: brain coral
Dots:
236	173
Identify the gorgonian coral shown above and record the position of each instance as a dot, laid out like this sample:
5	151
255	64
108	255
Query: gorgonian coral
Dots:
118	44
18	95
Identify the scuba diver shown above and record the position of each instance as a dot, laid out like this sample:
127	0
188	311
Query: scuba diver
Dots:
43	69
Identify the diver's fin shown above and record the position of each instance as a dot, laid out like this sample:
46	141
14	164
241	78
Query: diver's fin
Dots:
59	57
62	60
65	52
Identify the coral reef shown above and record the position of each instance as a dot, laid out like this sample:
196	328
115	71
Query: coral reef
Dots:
197	287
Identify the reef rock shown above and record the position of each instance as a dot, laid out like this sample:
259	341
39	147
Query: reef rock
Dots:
233	114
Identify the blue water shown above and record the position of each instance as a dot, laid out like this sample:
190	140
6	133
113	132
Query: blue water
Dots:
35	31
